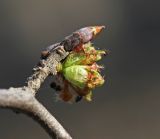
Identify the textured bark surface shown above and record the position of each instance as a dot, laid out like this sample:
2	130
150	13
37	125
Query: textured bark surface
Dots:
22	99
45	67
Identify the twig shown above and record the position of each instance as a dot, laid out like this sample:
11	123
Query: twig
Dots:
22	99
45	68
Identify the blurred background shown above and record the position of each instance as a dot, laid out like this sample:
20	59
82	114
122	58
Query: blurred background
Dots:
127	106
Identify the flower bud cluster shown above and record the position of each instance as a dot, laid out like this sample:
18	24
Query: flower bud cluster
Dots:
81	71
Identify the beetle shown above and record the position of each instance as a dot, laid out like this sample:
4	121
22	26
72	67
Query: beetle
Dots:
75	41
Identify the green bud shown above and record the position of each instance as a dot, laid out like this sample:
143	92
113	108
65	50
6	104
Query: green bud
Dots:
81	71
74	58
83	76
77	75
86	57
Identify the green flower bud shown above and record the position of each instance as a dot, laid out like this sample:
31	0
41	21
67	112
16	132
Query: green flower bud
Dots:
95	80
86	57
83	76
77	75
81	72
74	58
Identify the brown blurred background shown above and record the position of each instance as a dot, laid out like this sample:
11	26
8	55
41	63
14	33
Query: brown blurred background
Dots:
127	106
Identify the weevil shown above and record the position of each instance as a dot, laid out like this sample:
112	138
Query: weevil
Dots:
75	41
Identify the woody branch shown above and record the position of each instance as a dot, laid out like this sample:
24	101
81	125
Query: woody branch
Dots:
23	99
